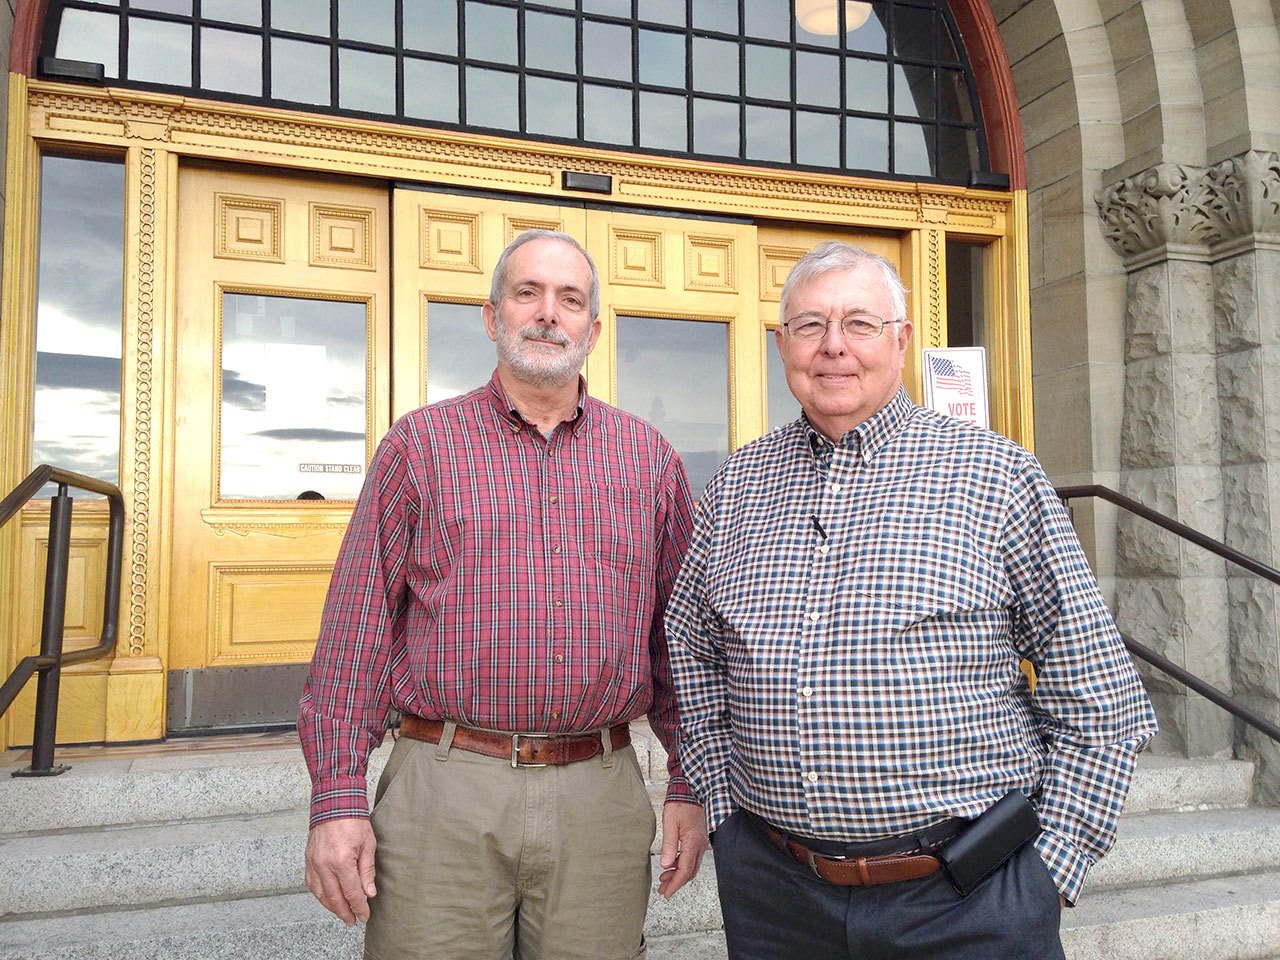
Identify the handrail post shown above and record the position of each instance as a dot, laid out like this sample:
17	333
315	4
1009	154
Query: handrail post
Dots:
55	608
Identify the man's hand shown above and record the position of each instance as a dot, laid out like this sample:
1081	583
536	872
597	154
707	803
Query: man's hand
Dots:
684	841
1062	902
340	867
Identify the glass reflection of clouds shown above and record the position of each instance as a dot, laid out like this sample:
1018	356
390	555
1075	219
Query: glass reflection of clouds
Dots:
78	316
675	374
294	397
460	355
783	407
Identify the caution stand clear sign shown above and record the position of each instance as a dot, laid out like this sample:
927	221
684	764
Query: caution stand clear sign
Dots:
955	383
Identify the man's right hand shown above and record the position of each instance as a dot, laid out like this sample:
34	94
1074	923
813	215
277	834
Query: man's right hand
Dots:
340	867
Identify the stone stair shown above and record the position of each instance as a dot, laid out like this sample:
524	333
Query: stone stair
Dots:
199	857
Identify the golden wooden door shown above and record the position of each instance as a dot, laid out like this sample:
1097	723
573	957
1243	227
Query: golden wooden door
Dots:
780	246
679	342
282	393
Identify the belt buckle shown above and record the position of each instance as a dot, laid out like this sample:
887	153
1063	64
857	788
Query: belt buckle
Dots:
813	861
515	748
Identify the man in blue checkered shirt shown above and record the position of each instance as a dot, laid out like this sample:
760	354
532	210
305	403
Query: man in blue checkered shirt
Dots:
847	634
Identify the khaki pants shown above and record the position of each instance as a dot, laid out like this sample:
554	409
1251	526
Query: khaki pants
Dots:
479	861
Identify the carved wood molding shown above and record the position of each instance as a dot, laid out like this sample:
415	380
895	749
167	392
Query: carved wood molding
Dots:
208	128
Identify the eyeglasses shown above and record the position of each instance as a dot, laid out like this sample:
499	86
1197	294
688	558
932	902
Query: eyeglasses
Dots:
856	326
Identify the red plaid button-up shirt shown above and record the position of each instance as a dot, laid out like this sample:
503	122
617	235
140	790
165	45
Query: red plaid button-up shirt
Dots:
500	579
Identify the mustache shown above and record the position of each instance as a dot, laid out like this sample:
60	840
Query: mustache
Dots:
545	332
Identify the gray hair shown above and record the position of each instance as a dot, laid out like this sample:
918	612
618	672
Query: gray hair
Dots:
838	255
499	284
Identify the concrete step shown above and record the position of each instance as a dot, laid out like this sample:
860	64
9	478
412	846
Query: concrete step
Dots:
153	864
111	792
1226	918
1167	847
1176	783
177	787
282	927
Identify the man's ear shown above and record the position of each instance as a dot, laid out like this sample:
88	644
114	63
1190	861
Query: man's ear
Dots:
490	314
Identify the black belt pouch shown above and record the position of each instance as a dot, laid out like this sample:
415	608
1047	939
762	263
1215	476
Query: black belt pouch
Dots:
990	840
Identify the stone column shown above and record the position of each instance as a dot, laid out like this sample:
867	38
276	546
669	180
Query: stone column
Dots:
1245	198
1201	437
1171	595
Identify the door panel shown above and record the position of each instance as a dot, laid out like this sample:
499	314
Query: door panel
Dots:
282	393
446	249
681	330
780	246
679	344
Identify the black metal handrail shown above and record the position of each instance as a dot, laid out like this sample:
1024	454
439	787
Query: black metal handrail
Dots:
1230	554
50	661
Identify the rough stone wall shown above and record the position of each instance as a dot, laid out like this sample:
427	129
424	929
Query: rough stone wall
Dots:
1152	128
1201	436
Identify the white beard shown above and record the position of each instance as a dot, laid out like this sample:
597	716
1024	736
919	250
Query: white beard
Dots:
534	366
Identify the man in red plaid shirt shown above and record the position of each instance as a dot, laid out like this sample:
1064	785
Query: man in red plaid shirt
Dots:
502	585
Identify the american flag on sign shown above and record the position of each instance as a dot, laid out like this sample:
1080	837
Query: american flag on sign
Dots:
948	376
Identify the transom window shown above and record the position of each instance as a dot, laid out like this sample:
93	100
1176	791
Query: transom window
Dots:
880	87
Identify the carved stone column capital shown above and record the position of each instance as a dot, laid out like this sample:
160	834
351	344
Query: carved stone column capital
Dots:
1174	207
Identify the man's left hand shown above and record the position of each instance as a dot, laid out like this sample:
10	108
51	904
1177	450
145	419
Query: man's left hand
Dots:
684	841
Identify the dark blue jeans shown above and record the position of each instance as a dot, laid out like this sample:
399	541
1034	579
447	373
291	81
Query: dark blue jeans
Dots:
775	909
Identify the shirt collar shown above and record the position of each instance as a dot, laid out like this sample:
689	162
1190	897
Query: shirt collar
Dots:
501	402
868	437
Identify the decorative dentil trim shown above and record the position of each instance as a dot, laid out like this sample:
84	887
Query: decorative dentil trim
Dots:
1194	208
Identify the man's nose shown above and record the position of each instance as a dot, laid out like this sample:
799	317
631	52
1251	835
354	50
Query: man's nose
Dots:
834	341
549	308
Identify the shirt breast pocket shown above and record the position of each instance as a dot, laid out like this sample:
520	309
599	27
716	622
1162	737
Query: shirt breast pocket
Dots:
925	566
617	530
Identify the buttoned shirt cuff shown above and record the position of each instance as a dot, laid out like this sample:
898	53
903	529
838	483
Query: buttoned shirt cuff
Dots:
679	791
341	798
717	807
1068	867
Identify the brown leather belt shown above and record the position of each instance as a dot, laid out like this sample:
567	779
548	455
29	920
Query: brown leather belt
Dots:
522	749
856	871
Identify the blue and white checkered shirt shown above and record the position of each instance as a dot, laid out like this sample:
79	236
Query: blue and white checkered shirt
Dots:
847	630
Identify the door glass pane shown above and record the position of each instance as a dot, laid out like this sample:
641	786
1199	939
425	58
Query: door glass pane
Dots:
966	294
460	355
675	374
783	407
294	397
78	317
